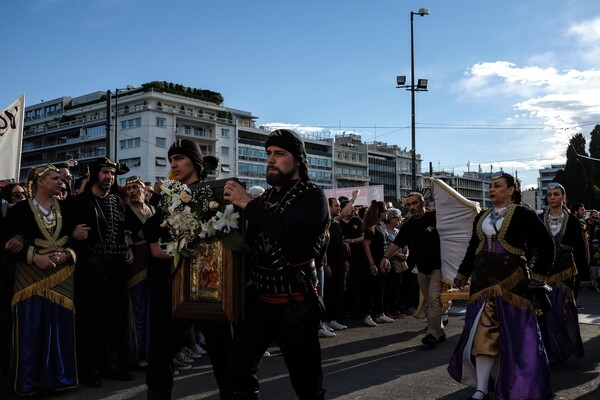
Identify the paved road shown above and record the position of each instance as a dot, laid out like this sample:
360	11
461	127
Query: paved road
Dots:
384	362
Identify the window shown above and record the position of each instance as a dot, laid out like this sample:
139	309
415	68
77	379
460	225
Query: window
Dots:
131	123
224	132
130	143
96	131
224	151
132	162
161	122
161	161
161	142
225	168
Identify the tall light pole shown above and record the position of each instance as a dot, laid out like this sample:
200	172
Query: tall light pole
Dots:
420	87
116	144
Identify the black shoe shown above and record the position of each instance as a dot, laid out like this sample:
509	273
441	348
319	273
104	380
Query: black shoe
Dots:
429	341
486	396
94	379
442	338
156	394
118	374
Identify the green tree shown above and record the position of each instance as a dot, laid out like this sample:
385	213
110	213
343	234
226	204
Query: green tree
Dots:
595	153
576	177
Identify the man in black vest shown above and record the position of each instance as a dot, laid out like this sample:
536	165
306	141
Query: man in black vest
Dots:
286	228
104	259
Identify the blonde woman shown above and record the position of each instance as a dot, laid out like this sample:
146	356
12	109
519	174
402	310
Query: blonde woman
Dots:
43	324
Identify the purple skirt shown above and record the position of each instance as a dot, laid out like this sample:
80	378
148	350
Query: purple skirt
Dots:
522	371
560	327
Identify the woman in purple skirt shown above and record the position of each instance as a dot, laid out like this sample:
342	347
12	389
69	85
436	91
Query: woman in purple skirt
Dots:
560	326
508	258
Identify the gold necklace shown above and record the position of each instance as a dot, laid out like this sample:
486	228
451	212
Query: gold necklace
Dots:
47	218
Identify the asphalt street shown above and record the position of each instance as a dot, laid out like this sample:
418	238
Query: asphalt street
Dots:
383	362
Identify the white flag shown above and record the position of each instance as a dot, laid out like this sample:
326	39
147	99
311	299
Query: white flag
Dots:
11	138
454	215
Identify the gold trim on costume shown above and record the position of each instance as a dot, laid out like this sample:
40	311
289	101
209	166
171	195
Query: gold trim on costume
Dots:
501	233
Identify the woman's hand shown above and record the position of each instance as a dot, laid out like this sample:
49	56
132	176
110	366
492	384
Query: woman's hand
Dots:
44	261
373	269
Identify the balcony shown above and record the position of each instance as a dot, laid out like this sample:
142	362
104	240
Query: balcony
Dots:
195	133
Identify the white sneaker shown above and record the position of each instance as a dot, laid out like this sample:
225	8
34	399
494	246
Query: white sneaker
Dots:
326	326
191	353
181	365
324	333
183	358
368	321
336	325
383	319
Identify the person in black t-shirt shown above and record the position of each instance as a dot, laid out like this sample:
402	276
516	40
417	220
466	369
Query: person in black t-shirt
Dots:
421	230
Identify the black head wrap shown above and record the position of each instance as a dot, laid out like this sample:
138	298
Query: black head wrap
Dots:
191	150
290	141
99	165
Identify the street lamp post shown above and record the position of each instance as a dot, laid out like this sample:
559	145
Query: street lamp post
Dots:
420	87
114	159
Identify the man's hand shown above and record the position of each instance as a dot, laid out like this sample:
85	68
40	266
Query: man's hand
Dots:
15	244
80	232
236	194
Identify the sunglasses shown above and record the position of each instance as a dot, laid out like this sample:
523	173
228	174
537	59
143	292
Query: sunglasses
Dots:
19	194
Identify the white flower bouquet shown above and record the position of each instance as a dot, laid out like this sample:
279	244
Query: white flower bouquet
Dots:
194	215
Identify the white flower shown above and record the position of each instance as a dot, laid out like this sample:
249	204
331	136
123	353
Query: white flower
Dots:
213	205
208	228
227	219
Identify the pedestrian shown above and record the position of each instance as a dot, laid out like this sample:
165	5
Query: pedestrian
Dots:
137	213
286	226
560	325
501	339
103	265
374	271
169	335
421	231
43	344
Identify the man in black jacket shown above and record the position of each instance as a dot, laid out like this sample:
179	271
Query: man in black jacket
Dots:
286	228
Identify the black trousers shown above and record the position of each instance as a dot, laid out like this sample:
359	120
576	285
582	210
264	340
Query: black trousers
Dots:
333	295
101	303
297	337
168	334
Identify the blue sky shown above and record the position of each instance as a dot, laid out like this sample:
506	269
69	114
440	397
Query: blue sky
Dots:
509	81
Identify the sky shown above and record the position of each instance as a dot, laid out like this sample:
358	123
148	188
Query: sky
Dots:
510	82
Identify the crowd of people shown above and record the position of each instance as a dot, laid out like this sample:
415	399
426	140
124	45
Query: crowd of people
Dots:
86	287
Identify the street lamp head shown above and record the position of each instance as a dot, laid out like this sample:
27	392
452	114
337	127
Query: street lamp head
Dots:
400	80
423	11
422	84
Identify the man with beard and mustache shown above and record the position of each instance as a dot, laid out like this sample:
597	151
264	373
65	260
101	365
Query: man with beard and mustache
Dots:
286	227
103	266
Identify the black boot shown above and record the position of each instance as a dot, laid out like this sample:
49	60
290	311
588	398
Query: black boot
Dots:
158	394
245	395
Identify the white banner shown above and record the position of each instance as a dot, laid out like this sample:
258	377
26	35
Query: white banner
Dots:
454	215
11	138
365	194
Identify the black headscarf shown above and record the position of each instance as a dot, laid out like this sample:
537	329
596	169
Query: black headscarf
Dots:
191	150
290	141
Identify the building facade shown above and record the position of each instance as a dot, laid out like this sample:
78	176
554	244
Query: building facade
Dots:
136	125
